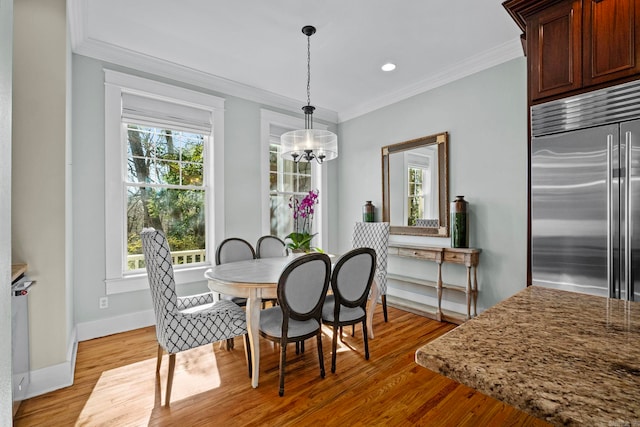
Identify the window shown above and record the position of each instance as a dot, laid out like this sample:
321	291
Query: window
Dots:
165	190
416	195
163	158
283	179
286	180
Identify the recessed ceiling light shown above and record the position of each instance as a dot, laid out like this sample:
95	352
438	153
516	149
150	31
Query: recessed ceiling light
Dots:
388	67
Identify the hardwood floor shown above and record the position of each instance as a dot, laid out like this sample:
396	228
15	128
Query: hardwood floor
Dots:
115	385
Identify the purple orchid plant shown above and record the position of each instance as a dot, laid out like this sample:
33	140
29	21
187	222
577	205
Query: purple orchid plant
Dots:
303	211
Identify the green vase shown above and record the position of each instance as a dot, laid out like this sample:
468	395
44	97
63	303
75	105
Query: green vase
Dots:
459	223
368	212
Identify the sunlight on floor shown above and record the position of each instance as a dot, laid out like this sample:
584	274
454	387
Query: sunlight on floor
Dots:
111	402
341	346
112	389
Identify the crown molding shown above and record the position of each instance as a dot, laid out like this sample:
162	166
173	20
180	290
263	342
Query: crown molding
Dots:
83	45
150	64
76	21
482	61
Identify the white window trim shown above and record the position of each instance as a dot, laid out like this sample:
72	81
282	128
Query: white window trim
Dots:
116	279
319	177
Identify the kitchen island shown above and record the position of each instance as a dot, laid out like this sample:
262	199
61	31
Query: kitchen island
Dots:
567	358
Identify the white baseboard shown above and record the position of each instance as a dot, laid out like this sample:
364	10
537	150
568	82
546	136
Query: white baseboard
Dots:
114	325
54	377
61	375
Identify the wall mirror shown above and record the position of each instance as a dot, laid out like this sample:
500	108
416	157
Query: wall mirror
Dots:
415	186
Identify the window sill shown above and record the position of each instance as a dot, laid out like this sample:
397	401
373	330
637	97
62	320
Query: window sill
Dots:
139	282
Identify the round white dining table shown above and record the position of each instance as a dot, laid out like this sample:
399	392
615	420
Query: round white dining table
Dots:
255	280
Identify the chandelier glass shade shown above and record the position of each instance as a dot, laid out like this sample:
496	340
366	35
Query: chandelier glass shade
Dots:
308	143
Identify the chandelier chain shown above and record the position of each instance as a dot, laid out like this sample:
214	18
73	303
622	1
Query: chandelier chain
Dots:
308	70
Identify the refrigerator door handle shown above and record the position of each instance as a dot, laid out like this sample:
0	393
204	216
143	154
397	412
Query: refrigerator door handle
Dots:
628	226
609	174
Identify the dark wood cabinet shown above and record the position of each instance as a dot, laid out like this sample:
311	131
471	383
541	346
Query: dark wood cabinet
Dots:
611	40
554	44
575	46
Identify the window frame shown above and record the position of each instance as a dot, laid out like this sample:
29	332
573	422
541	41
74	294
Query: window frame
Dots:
318	176
117	278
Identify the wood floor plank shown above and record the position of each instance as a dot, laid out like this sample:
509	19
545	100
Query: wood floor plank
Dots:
115	385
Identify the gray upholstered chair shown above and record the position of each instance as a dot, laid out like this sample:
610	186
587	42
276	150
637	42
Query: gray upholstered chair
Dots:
270	247
183	323
302	289
231	250
375	235
347	305
234	249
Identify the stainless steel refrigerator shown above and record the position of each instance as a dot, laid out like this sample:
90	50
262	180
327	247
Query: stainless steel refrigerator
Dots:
585	193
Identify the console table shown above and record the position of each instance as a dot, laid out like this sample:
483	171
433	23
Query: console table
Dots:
469	257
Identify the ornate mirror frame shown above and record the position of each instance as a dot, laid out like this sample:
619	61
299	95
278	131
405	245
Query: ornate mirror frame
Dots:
441	139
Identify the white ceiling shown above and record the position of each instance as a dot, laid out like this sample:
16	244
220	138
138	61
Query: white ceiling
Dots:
255	48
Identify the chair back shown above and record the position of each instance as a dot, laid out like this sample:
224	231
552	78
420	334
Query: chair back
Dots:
234	249
374	235
303	286
270	247
352	278
159	265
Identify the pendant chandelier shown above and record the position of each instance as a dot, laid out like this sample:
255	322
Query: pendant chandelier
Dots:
309	143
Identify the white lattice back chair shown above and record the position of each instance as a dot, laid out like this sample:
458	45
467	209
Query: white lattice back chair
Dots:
433	223
183	323
375	235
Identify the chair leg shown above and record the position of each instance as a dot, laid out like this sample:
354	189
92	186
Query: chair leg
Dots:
297	347
384	307
159	362
320	355
334	346
172	366
247	350
366	339
229	344
301	346
283	361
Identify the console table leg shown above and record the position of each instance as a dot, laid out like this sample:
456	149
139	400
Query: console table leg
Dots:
468	291
475	291
439	292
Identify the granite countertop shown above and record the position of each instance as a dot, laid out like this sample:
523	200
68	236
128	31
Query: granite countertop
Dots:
567	358
17	270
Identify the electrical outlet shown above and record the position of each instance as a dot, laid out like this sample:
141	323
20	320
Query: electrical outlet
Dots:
104	302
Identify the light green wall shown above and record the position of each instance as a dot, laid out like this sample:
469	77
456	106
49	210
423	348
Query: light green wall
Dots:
40	168
484	113
242	196
486	117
